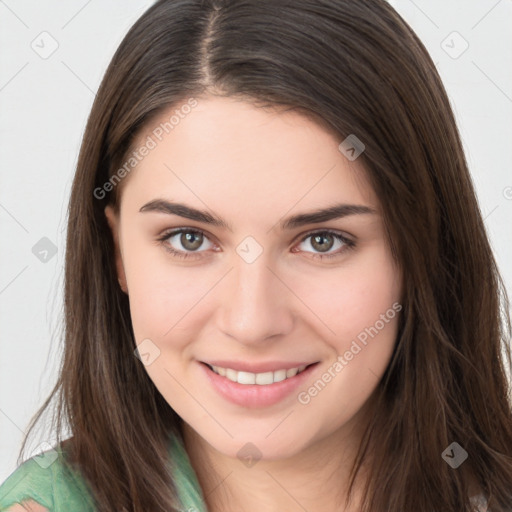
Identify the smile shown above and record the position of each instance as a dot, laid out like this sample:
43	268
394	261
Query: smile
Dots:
256	390
261	379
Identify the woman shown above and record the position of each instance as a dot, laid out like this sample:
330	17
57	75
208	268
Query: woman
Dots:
280	294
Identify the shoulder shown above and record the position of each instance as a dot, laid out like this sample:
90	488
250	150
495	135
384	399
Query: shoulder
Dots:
45	483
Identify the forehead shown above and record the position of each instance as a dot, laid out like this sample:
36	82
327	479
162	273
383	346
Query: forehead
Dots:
227	152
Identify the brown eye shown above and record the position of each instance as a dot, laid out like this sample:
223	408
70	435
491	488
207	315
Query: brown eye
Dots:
184	243
323	241
191	240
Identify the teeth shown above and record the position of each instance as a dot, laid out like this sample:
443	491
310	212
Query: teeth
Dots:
246	378
291	372
279	375
262	379
231	374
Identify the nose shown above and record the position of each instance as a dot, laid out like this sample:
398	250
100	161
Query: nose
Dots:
255	304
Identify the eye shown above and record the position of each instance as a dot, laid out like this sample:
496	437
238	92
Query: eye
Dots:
191	240
324	241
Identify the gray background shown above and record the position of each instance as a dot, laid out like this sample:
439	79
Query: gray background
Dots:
44	103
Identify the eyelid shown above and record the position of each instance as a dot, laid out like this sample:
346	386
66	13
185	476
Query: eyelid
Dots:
173	231
333	232
347	240
167	233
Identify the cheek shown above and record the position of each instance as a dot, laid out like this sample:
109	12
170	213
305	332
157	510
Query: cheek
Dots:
362	312
167	295
354	297
152	287
166	298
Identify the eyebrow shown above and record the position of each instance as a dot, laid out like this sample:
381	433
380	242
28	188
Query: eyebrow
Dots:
337	211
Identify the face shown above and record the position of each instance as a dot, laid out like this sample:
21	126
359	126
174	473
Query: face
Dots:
256	286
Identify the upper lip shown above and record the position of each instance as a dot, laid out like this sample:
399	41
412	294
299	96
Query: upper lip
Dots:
268	366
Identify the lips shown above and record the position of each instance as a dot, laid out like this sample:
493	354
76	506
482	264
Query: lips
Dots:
256	395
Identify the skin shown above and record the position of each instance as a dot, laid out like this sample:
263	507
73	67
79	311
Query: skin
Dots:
27	506
253	167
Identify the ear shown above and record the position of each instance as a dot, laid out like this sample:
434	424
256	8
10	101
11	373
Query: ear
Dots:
113	222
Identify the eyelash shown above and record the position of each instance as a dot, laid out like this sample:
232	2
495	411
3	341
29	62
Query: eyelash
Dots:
349	244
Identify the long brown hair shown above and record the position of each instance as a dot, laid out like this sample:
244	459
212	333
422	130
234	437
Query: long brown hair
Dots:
359	69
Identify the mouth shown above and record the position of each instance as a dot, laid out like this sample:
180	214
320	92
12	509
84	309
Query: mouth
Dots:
260	379
257	390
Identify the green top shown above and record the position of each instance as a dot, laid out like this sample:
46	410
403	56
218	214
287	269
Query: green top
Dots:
47	480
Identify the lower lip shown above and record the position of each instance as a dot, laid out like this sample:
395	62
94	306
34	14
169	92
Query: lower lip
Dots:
255	395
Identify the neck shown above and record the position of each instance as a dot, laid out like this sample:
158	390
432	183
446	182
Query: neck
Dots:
314	479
